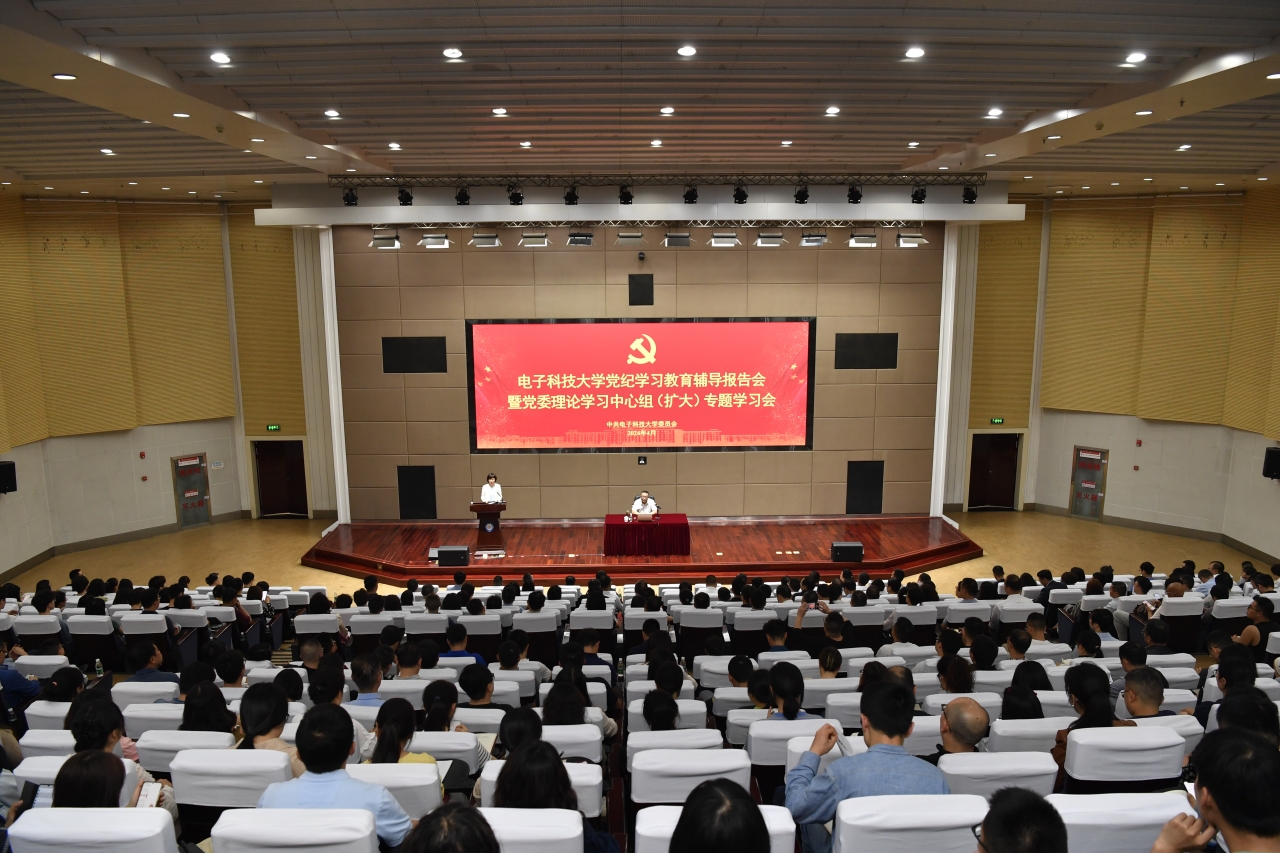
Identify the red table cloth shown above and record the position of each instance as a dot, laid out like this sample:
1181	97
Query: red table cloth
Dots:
667	534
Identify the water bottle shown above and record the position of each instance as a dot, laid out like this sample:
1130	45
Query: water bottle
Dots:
97	667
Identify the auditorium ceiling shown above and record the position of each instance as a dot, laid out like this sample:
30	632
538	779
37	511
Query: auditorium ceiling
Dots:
1015	88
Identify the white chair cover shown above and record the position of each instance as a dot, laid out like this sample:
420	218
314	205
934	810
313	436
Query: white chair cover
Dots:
1184	724
692	715
670	775
656	824
580	741
1178	659
1179	677
449	746
47	715
636	689
1124	754
991	702
992	681
817	690
128	693
99	625
139	719
156	748
317	623
714	673
189	618
30	626
526	681
416	787
854	666
960	611
369	623
508	693
297	598
1116	823
1065	596
312	590
57	743
309	830
726	699
767	739
926	733
983	773
766	660
138	623
480	719
536	830
738	722
702	660
798	746
43	770
710	618
587	781
425	623
1050	651
93	831
439	673
233	778
1026	735
894	823
682	739
601	620
910	653
1056	703
1185	606
844	709
41	666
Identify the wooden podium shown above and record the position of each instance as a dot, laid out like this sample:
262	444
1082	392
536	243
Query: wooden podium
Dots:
489	536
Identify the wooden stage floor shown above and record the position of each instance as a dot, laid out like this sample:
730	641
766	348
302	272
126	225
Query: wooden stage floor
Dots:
552	548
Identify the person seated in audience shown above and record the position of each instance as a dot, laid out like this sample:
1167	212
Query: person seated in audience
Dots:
1251	710
902	676
1236	671
360	598
145	658
949	642
1255	635
1088	645
90	780
1031	675
759	691
1237	774
660	711
440	703
1017	643
264	709
1036	626
1021	703
787	685
1144	693
521	639
393	730
983	654
310	651
521	726
1088	690
192	674
319	606
289	681
1047	585
740	670
477	682
456	636
900	634
1156	637
205	710
97	725
230	668
590	639
719	816
830	661
649	630
366	672
955	675
775	634
964	723
971	629
377	604
453	828
967	590
1021	821
474	607
63	686
885	768
408	660
325	740
1103	622
1116	590
1132	655
1264	583
832	632
327	686
534	777
535	602
872	672
431	603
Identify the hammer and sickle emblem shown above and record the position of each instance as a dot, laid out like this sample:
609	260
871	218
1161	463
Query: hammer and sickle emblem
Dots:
647	355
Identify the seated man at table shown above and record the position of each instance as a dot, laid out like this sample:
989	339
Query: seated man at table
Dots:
644	505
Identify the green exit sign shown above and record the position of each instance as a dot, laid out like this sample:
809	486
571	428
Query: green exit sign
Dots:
276	427
993	420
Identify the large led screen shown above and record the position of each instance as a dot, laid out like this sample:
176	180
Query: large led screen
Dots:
601	385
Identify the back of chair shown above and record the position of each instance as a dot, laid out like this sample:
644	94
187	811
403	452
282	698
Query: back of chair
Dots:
587	781
691	714
140	719
34	627
1026	735
891	824
990	702
1121	759
136	624
1184	724
580	741
1120	822
767	739
306	624
42	714
656	824
227	778
369	623
128	693
983	773
681	739
416	787
93	831
43	770
56	743
157	748
670	775
449	746
315	830
536	830
480	719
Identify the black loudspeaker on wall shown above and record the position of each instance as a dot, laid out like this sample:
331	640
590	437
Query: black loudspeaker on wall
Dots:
1270	465
453	555
8	477
846	552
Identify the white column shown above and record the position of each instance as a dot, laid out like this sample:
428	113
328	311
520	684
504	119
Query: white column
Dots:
315	368
241	448
946	340
1031	454
329	301
962	363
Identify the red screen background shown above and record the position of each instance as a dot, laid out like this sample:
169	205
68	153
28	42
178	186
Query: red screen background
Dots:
550	386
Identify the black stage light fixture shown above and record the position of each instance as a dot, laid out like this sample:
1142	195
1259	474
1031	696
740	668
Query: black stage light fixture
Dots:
349	198
970	195
515	195
802	195
739	194
917	194
462	196
691	194
625	196
855	194
406	197
571	195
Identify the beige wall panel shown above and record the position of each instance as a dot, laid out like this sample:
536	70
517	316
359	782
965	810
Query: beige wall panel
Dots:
1190	284
430	269
906	466
848	300
513	469
455	378
620	263
711	300
843	433
782	300
373	437
368	303
617	302
453	331
455	503
851	266
844	401
522	502
430	303
436	404
364	337
711	467
438	438
1094	305
832	466
710	500
906	497
21	379
1255	318
777	499
365	371
779	467
829	327
368	471
913	332
903	433
625	471
368	504
498	269
707	266
575	501
905	400
911	299
366	404
366	270
573	469
782	266
354	239
569	267
828	498
569	301
825	372
918	366
452	472
497	303
911	266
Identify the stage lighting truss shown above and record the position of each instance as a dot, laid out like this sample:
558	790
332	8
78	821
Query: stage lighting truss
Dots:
689	182
385	237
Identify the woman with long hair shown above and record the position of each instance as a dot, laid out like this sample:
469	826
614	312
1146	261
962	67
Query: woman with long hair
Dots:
534	777
954	674
720	817
521	726
1089	691
440	701
660	711
264	709
829	662
787	684
1031	675
206	710
1021	703
91	780
394	729
564	704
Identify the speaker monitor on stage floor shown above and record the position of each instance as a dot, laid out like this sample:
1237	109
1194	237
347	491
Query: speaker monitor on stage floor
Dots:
841	552
454	555
8	477
1270	463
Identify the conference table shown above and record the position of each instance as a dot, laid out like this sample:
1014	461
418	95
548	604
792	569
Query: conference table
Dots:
667	534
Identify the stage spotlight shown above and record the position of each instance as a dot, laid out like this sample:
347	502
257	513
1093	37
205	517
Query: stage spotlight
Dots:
434	240
462	196
676	239
855	194
385	238
691	194
515	195
571	195
484	240
580	238
625	196
724	239
349	198
802	195
970	195
917	194
911	239
405	196
771	237
863	237
739	194
534	238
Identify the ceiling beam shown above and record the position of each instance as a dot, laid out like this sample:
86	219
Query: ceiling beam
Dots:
1206	82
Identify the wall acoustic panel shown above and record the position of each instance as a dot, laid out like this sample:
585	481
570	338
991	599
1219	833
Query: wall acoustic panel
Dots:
1255	319
22	410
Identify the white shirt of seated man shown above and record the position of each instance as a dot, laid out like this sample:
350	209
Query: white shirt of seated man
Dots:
644	503
491	491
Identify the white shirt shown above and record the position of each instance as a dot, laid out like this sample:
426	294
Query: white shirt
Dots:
491	494
640	506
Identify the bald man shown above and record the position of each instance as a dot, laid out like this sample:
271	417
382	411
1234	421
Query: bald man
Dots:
964	723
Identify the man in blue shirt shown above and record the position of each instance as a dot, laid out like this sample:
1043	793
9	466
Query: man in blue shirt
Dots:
145	659
366	672
885	768
326	739
17	687
775	633
456	635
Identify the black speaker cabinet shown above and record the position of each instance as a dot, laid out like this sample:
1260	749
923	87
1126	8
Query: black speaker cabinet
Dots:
845	552
454	555
8	477
1270	466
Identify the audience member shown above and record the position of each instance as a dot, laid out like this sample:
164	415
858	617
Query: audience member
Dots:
477	682
145	659
1021	703
1255	635
91	780
521	726
394	730
264	709
787	685
1021	821
205	710
719	816
660	711
456	636
534	777
452	828
964	723
1144	693
366	672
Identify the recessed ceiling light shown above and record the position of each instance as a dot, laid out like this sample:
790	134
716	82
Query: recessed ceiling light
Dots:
913	144
452	53
1135	57
166	189
499	111
1269	77
247	151
1027	177
1261	179
687	50
217	195
1084	188
943	168
133	183
1183	147
833	111
311	157
666	111
1115	183
257	139
1184	188
1051	138
1143	113
526	144
1219	185
915	52
191	192
1059	192
394	146
257	182
990	155
350	170
786	143
108	152
1127	65
332	113
84	192
5	183
48	188
182	115
1148	179
64	77
995	112
657	143
220	58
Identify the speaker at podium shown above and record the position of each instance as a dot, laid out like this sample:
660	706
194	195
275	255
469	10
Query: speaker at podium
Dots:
489	539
